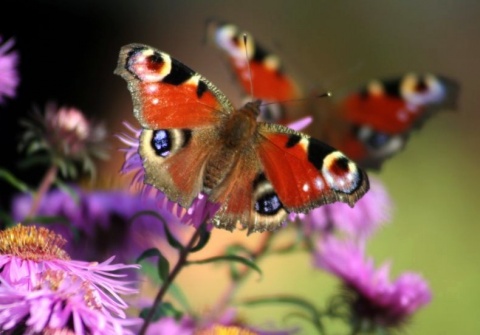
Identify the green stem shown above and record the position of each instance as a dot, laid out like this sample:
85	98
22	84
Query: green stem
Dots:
182	261
47	181
232	289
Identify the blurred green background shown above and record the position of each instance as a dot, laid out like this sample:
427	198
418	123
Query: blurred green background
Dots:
69	50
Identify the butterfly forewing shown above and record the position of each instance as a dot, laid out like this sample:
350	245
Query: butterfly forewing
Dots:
168	94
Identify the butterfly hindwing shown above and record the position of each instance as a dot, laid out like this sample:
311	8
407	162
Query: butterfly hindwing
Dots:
248	198
167	152
168	94
307	173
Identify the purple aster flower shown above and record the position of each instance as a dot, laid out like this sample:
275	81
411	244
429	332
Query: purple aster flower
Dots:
200	209
42	288
102	222
373	297
171	326
67	137
60	302
9	78
370	211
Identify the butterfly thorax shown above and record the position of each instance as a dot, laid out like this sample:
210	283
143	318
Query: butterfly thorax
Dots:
237	134
241	126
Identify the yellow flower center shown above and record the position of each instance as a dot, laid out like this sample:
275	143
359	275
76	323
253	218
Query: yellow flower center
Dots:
225	330
32	243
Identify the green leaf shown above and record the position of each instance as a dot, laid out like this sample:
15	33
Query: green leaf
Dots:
315	315
174	290
233	250
163	267
230	258
14	181
7	220
204	238
34	160
47	220
170	238
165	309
316	323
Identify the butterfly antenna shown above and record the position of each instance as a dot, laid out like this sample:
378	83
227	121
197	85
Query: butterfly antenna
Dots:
248	64
323	95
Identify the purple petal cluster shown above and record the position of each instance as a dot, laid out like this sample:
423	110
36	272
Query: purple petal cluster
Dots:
100	222
41	288
9	78
376	298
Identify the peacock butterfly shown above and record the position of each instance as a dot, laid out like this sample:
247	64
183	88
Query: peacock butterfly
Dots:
193	140
258	69
369	125
380	116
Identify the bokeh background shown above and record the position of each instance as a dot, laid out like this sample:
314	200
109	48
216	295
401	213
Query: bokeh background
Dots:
69	50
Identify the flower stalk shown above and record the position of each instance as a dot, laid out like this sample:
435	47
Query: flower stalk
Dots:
47	182
181	262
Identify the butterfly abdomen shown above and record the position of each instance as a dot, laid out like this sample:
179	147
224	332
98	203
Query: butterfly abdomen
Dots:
217	168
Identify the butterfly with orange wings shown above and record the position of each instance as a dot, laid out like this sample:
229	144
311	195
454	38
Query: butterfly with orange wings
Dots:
193	140
369	125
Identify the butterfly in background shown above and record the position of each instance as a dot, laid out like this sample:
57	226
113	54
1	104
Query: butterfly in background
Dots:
256	69
193	140
369	125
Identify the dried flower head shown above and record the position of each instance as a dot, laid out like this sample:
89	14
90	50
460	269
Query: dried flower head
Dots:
373	300
67	137
9	78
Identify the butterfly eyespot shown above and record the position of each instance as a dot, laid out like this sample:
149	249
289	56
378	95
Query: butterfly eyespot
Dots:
267	201
420	90
148	65
421	86
340	173
378	140
161	142
268	204
235	40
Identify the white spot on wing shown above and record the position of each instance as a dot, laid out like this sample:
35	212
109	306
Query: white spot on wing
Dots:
318	183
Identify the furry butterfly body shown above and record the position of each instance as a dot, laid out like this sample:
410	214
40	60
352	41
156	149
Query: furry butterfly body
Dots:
369	125
195	141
